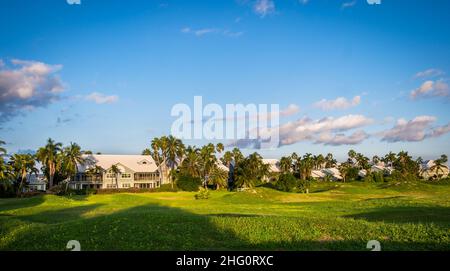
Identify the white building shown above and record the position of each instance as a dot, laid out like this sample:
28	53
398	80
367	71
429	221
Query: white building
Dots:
135	171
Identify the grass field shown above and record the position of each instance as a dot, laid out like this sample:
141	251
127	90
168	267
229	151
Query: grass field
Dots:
331	217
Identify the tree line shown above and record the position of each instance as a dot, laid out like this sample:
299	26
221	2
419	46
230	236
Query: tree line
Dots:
176	161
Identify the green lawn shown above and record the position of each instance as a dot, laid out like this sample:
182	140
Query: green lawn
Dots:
332	217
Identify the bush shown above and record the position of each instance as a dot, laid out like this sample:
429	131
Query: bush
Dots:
167	188
352	174
189	183
304	185
287	183
203	194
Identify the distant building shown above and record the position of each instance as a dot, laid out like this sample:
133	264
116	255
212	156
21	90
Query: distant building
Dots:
428	172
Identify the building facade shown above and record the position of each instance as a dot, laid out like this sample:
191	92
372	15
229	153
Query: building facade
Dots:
117	172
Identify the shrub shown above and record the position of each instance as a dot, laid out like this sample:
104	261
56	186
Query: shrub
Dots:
287	183
203	194
378	177
189	183
304	185
352	174
167	188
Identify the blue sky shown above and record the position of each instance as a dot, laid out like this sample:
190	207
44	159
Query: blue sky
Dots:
105	74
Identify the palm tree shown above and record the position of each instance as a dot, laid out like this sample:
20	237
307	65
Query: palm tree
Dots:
352	154
376	159
285	164
23	164
330	161
389	158
48	156
159	151
2	150
174	153
116	171
147	152
192	162
218	177
227	158
73	157
343	169
219	147
306	165
209	161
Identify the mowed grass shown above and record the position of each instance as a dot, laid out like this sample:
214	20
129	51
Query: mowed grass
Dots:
332	217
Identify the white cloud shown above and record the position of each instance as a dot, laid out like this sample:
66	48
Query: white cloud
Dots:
338	103
264	7
204	31
290	110
27	85
341	139
431	89
74	2
328	131
429	73
348	4
414	130
100	98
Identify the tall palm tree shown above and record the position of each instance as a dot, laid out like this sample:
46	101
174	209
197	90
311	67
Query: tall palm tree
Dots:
73	156
23	164
389	158
220	147
209	161
285	164
343	169
48	156
174	153
2	150
376	159
159	147
352	154
218	177
147	152
330	161
116	171
227	158
192	162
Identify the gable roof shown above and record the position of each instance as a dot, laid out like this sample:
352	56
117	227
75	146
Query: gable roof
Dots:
136	163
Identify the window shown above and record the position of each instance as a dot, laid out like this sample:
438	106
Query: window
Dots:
111	186
126	175
110	175
126	185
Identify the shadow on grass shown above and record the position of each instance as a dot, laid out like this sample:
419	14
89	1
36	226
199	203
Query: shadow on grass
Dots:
19	203
59	216
154	227
413	214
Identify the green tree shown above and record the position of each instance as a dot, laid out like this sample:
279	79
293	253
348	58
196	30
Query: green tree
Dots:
48	156
116	171
72	157
174	153
23	165
285	164
218	177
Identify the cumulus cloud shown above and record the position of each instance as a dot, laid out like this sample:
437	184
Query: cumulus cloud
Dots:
414	130
264	7
328	131
342	139
338	103
100	98
26	85
431	89
428	73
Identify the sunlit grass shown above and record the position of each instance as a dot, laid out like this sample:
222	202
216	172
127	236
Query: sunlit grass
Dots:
334	216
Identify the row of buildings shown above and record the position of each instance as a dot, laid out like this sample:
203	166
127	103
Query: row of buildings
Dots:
141	171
